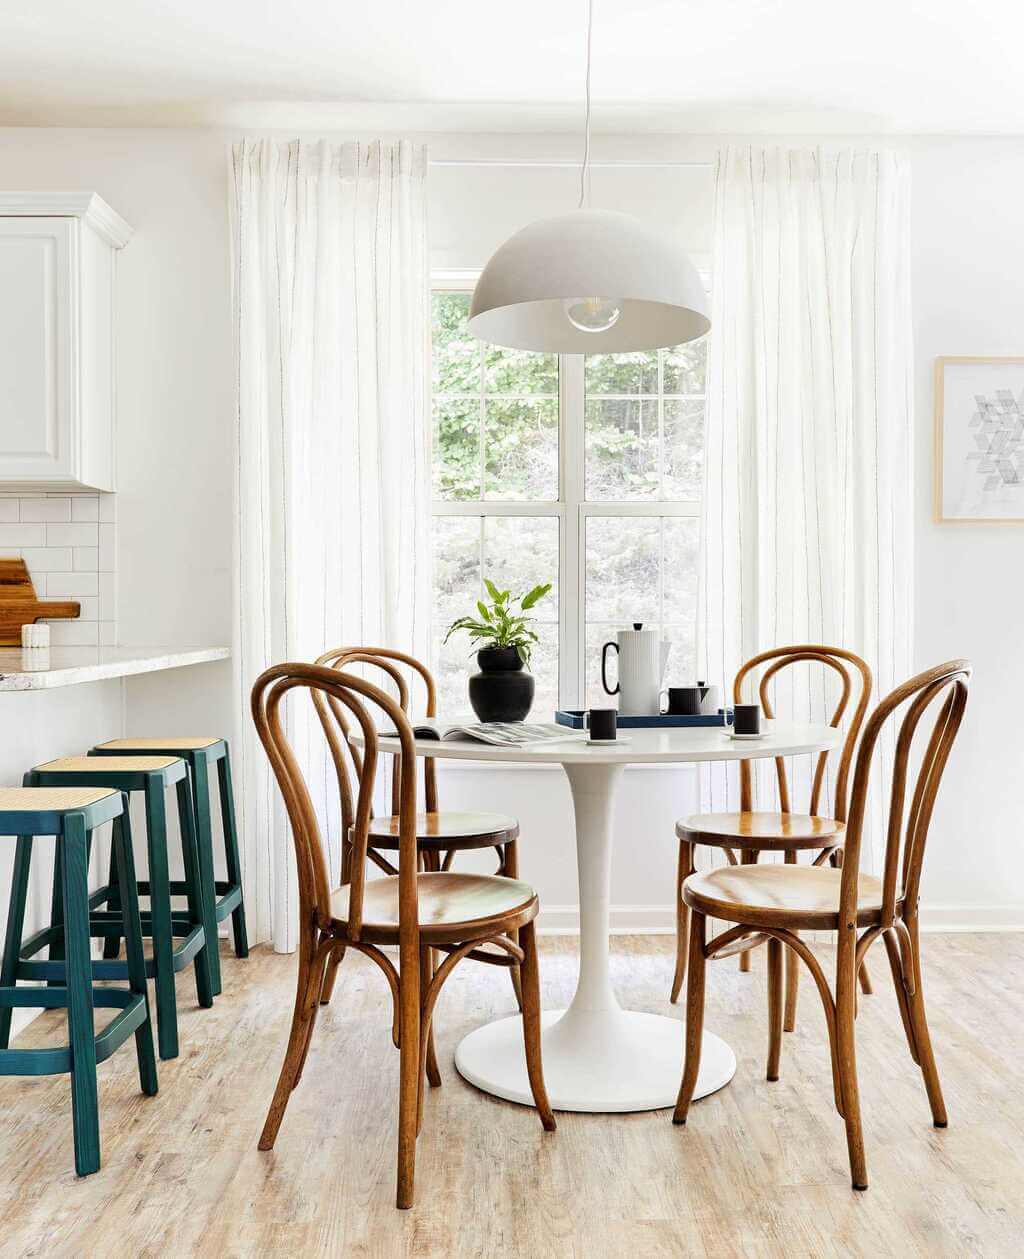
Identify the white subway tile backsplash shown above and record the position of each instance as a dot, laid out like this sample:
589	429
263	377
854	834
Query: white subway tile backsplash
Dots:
74	633
85	507
47	559
57	510
87	559
68	541
68	585
82	534
108	548
23	535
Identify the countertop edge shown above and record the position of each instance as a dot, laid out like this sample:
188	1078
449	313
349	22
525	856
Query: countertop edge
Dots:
147	660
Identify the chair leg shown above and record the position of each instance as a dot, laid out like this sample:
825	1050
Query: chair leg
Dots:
204	843
696	965
307	990
921	1035
160	916
427	1029
684	868
510	869
200	908
73	861
124	859
330	975
846	1053
15	929
232	862
748	858
409	1073
531	1025
774	1006
792	990
866	987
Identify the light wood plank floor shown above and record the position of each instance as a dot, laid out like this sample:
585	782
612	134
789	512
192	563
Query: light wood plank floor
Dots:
760	1169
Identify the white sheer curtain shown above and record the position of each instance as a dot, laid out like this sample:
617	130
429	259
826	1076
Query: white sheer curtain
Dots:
331	289
808	490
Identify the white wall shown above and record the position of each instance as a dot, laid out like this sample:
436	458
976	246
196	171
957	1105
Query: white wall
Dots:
175	440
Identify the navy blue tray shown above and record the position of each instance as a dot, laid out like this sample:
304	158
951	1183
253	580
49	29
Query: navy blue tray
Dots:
574	719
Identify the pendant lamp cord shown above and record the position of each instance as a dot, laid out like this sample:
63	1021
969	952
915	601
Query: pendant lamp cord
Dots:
585	168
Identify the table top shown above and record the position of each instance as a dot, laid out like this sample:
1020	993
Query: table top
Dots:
635	747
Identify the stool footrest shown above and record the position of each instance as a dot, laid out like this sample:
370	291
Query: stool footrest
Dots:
56	1060
192	940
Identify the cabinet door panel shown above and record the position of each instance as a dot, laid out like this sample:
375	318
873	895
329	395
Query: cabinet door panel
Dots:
36	348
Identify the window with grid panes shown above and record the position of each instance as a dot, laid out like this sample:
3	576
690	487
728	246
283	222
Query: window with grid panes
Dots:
582	471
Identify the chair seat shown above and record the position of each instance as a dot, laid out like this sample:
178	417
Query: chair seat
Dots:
177	743
763	831
446	831
780	895
452	907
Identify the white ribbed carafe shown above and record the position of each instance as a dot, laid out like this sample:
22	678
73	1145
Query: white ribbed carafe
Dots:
642	659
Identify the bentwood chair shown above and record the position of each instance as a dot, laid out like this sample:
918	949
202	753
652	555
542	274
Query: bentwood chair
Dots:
778	901
752	833
439	835
413	909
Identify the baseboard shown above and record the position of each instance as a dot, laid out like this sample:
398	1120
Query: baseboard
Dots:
661	919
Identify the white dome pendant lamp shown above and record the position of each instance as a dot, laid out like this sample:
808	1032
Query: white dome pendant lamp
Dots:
589	282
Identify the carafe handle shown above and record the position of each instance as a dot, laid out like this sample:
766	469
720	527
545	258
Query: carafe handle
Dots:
604	673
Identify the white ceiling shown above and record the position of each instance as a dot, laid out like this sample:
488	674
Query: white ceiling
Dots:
720	65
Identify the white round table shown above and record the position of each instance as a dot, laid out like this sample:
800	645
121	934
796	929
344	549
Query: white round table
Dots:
597	1056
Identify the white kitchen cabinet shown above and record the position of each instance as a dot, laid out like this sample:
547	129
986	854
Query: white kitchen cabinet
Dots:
58	254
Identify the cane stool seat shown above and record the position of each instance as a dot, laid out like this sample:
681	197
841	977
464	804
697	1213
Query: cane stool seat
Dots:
766	832
116	765
445	830
783	895
176	743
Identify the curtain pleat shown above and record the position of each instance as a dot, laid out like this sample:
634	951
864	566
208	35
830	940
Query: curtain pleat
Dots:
808	489
331	297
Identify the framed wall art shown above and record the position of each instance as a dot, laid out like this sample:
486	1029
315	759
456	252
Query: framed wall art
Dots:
979	440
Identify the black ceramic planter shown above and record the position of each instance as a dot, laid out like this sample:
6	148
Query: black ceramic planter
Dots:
503	689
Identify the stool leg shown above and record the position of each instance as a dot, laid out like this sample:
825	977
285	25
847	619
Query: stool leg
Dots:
73	861
112	944
56	953
15	929
200	908
234	869
204	841
124	859
160	916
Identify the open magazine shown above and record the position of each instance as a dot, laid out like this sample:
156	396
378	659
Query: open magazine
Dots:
497	733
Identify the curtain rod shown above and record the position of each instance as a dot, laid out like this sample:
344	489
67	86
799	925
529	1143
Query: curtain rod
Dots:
569	163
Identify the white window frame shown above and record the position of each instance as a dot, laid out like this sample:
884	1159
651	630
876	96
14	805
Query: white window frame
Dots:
572	508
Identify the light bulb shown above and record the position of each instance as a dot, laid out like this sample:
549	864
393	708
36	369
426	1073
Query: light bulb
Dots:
593	314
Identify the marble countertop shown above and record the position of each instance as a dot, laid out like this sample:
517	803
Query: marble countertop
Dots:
35	670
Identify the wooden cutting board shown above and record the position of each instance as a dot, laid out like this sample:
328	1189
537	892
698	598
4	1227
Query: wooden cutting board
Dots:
19	605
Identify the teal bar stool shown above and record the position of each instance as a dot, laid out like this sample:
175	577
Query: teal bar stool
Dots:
71	814
201	753
179	939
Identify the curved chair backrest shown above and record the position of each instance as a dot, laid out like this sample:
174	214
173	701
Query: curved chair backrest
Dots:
345	693
390	662
854	675
905	845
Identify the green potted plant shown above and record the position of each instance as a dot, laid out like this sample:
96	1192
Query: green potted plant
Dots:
503	639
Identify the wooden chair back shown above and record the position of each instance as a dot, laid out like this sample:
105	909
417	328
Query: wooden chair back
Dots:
335	722
905	844
855	680
353	697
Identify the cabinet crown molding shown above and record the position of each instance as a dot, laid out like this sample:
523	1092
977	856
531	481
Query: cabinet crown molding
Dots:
88	206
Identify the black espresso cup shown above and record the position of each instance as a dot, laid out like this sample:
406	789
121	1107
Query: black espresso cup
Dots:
746	719
603	723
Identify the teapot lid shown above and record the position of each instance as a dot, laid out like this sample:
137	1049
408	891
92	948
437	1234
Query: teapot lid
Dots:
638	625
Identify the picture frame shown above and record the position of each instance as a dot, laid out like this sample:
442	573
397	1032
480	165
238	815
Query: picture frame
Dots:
979	439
